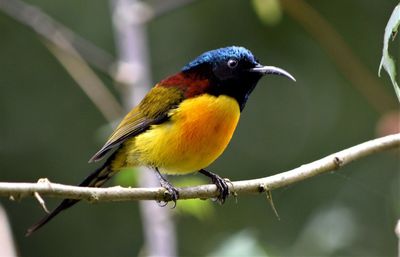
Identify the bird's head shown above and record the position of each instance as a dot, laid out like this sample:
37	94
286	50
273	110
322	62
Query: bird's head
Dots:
232	71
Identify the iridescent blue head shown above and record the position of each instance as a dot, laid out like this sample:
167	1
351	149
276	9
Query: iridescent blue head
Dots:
232	71
222	55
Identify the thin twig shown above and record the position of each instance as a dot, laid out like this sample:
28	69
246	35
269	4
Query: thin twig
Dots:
41	201
326	164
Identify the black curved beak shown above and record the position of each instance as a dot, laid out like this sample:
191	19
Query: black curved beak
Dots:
264	70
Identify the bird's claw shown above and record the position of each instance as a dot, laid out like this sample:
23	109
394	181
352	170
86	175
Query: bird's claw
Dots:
220	183
222	188
171	193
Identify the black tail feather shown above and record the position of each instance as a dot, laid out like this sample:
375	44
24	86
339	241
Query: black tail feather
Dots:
65	204
95	179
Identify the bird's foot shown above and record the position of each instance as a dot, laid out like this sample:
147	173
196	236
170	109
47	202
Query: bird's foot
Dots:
221	184
172	194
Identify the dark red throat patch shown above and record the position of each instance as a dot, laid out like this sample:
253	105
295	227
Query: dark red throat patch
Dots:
190	83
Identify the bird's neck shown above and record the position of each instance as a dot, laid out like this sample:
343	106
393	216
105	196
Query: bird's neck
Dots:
192	84
195	83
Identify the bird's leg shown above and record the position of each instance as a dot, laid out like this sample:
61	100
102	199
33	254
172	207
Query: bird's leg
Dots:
173	192
221	184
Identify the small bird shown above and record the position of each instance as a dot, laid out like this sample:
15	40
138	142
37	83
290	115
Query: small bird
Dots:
183	124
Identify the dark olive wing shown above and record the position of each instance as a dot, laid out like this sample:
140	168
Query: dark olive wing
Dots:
153	109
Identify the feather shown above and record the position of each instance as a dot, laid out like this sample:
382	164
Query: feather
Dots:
152	110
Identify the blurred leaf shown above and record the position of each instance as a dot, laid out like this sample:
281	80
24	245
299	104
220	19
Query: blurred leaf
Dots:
388	123
243	243
269	11
387	61
200	209
127	177
341	224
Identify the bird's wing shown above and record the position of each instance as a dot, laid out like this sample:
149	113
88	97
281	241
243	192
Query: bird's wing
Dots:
153	109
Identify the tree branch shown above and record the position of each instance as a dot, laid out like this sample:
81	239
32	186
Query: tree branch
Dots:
326	164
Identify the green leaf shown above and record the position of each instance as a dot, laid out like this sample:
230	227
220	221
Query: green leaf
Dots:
269	11
387	61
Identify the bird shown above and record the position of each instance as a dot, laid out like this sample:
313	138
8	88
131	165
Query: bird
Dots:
183	124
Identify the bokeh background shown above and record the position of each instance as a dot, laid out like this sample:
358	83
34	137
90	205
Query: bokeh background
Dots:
50	128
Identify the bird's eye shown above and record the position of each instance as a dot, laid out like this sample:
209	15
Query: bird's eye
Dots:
232	63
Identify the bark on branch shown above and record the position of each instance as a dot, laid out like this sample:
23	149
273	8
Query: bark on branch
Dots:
326	164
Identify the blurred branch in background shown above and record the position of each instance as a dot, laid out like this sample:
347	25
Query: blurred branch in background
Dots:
73	51
47	27
87	79
337	48
61	43
7	248
133	71
326	164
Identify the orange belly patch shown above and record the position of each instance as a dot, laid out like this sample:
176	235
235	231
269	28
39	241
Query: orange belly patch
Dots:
196	135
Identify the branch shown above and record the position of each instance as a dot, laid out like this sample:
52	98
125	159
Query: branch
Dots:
326	164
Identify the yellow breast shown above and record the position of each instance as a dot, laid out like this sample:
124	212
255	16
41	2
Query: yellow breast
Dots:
196	135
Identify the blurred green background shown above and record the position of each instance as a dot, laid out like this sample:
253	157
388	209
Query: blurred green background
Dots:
49	128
